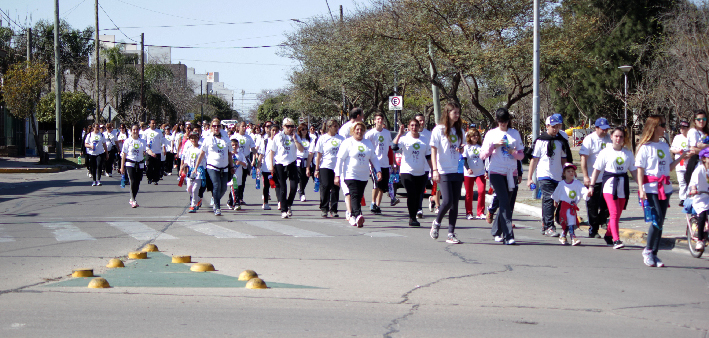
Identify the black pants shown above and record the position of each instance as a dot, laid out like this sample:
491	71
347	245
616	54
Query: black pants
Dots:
433	193
356	192
329	192
502	225
266	186
95	163
240	191
548	208
286	173
597	209
414	186
135	175
169	162
110	160
701	221
451	185
383	184
659	210
496	202
154	167
302	178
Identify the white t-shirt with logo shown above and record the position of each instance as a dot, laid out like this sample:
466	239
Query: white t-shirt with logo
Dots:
381	141
614	162
329	147
154	139
591	146
700	202
498	161
217	152
110	138
190	156
345	129
572	192
134	150
472	154
680	142
549	167
413	155
283	148
264	143
97	140
655	158
694	137
246	143
446	149
354	158
306	149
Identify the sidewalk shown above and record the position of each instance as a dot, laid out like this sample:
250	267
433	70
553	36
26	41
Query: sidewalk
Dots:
30	164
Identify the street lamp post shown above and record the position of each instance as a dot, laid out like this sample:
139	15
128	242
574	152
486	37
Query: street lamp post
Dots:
625	70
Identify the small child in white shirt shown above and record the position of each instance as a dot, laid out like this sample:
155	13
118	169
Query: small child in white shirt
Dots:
568	193
239	160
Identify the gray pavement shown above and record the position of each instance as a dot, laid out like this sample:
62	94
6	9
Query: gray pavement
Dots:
385	279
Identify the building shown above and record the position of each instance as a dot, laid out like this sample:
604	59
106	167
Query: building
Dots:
210	85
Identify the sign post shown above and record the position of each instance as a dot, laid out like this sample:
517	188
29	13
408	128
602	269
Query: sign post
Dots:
396	103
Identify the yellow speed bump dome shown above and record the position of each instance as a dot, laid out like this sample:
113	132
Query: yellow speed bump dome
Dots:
115	263
138	255
182	259
99	283
202	267
150	248
83	273
256	283
247	275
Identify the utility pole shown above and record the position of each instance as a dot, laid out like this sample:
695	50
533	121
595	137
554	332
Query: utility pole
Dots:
434	89
201	100
535	83
396	93
105	103
57	85
344	98
142	77
98	95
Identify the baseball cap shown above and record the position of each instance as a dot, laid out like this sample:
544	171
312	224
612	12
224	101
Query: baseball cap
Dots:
558	116
684	124
602	123
553	120
569	165
704	153
194	134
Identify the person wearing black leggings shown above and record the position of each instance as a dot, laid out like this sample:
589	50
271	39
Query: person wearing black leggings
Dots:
302	160
415	159
96	150
133	162
327	147
281	160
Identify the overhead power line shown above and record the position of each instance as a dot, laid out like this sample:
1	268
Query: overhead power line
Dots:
114	23
239	63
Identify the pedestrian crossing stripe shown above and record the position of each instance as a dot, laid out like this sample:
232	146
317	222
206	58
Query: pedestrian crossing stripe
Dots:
65	231
285	229
140	231
5	238
213	230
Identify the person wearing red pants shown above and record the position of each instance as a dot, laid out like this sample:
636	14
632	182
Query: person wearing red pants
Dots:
474	174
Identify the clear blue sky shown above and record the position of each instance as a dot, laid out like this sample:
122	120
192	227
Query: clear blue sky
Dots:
251	70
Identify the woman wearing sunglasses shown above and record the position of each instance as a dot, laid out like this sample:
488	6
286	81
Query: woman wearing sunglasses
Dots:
696	137
216	148
327	147
281	161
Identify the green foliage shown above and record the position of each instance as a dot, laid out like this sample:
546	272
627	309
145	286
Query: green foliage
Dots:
216	106
276	109
22	86
75	107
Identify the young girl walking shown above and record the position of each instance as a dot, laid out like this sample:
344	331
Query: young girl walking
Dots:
568	194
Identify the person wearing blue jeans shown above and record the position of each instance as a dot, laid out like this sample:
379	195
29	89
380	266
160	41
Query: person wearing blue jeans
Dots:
220	166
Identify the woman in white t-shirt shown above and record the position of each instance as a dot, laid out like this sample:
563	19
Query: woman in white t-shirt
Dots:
614	163
270	132
696	136
133	161
474	174
195	172
96	150
302	160
217	149
281	156
415	161
654	162
326	148
698	188
354	157
503	147
446	148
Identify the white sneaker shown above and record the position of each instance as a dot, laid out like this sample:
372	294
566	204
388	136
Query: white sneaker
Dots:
436	210
480	217
238	207
211	203
434	229
700	246
279	205
290	212
360	221
469	217
575	241
266	207
419	214
107	175
302	198
648	258
498	239
563	240
452	239
658	262
352	222
284	214
98	183
93	184
347	216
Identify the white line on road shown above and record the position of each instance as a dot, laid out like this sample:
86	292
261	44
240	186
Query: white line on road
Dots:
65	231
5	238
285	229
140	231
213	230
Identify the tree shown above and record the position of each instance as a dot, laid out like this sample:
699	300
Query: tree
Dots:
218	107
75	108
21	89
276	108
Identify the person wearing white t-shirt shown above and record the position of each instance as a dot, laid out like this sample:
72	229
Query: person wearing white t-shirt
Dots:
302	160
380	138
356	115
549	158
415	159
355	156
195	172
613	163
110	136
95	145
654	163
504	148
696	137
133	161
246	147
220	167
327	147
679	146
699	194
265	172
425	136
154	138
474	174
282	154
567	196
446	147
590	148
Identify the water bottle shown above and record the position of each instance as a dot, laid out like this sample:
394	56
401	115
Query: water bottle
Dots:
123	181
505	146
316	188
533	186
397	178
271	182
79	161
392	196
253	172
234	182
648	212
461	164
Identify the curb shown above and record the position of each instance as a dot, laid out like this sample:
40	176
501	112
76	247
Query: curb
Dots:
33	170
629	236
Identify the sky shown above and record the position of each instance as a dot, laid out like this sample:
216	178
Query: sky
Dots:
250	70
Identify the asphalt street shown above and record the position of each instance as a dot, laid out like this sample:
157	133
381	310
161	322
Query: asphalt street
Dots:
327	279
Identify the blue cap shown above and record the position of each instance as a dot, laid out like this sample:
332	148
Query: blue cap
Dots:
558	116
553	120
704	153
602	123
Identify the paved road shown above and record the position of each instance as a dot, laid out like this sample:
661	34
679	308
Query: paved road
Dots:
329	279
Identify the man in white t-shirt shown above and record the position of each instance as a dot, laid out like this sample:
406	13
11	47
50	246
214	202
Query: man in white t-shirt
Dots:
425	136
680	144
381	140
590	148
154	138
356	115
247	146
549	156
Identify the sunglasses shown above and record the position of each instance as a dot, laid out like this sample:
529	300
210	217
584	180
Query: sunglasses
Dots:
663	125
701	119
215	126
289	126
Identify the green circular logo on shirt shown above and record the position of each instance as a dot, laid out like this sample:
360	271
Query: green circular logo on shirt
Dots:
220	146
136	145
96	138
553	146
619	160
306	143
572	194
684	145
660	153
476	151
453	138
193	156
381	139
361	149
334	143
242	141
287	142
152	135
603	146
417	146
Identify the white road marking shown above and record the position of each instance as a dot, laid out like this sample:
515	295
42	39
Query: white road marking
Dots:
285	229
140	231
5	238
213	230
381	234
344	224
65	231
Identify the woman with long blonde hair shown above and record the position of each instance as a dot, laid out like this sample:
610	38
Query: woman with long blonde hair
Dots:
654	162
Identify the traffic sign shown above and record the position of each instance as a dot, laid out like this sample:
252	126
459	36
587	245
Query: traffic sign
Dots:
396	102
301	120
